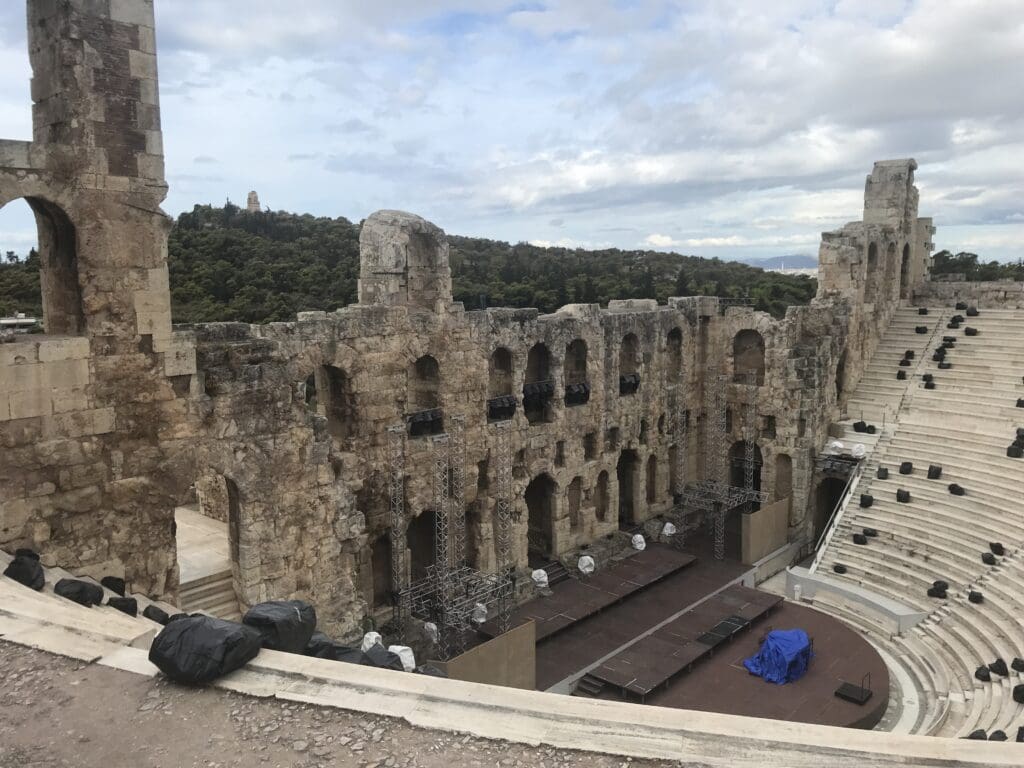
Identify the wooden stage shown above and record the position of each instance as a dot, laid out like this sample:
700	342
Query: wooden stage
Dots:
672	629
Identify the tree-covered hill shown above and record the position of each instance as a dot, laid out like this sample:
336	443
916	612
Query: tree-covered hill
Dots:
966	264
228	264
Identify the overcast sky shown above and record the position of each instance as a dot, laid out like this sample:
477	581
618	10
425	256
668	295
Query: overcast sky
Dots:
732	129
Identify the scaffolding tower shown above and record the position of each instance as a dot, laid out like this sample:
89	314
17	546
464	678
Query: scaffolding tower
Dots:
450	593
502	455
715	496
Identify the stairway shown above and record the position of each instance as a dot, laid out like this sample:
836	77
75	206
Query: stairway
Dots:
588	686
556	572
213	594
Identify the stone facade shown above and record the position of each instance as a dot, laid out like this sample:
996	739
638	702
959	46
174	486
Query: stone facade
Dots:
281	428
994	294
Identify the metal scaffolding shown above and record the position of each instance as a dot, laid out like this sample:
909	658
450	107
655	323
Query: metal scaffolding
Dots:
450	592
399	567
715	496
502	458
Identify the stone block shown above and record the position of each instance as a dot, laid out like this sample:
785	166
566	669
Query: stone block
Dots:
99	421
142	66
51	350
28	403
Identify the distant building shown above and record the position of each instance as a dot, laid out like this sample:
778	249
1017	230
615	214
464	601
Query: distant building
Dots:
809	271
253	204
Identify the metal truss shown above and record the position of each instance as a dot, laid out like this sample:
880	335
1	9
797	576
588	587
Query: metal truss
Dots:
397	533
502	460
457	433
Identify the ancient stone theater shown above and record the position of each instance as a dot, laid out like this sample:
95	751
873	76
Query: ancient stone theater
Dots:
617	504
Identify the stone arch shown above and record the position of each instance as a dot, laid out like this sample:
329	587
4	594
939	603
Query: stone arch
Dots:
573	500
627	471
783	476
841	375
499	373
905	273
601	497
425	384
380	570
629	355
748	355
827	496
674	355
673	468
59	282
652	479
338	401
576	362
540	505
872	275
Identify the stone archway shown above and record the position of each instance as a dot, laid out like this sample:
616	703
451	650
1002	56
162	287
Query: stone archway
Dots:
540	506
628	470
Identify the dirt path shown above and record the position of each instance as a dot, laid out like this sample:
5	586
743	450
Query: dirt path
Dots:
58	713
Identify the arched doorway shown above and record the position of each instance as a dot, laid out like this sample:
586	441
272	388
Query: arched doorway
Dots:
540	506
380	568
338	402
573	499
425	385
829	493
872	275
748	356
652	480
626	471
674	351
56	257
601	497
840	375
421	540
538	386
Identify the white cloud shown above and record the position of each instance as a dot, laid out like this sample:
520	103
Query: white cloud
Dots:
660	241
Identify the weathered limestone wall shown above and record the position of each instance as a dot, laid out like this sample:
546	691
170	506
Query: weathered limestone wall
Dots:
996	294
113	417
84	409
875	263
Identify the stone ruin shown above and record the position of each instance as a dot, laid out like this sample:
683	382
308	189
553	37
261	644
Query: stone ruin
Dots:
114	416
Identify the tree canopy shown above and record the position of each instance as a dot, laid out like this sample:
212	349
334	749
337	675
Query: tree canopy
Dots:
228	264
966	263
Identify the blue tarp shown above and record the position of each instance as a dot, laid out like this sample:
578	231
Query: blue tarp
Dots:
783	658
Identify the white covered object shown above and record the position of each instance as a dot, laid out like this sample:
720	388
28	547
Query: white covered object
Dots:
371	639
668	530
404	652
430	631
639	544
479	613
859	451
540	578
836	447
586	564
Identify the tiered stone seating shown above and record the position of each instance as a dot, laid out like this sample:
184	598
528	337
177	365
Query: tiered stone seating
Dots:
964	425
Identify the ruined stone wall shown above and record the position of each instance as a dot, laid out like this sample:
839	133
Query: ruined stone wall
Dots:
994	294
875	263
295	417
85	410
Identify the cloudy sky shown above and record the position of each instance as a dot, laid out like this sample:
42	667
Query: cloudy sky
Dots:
715	127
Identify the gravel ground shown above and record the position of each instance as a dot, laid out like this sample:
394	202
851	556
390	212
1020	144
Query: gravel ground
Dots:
59	713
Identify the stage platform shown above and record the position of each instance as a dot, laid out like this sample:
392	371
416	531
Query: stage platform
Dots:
694	636
575	600
562	656
720	683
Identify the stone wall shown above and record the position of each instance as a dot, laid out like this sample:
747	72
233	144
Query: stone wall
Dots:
85	410
996	294
280	430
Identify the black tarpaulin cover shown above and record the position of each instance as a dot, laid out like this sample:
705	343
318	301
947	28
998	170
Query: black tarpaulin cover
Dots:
27	571
198	649
81	592
284	625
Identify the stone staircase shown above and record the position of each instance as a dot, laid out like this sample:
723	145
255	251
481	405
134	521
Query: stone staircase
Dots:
213	594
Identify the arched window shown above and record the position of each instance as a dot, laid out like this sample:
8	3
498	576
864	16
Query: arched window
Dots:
890	270
425	385
57	255
538	387
576	362
500	373
674	356
748	356
629	355
338	401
